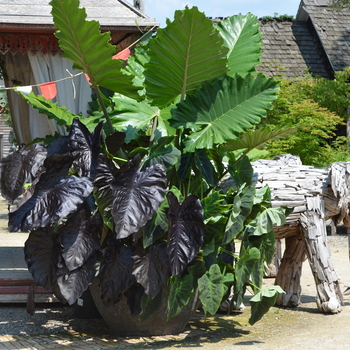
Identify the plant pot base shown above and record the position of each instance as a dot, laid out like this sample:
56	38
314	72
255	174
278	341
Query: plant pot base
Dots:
120	321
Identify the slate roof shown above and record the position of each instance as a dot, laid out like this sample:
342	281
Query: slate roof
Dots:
318	41
333	29
31	14
290	49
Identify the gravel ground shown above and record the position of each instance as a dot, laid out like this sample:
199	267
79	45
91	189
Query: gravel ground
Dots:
309	328
47	319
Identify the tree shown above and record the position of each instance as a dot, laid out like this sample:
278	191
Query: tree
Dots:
310	105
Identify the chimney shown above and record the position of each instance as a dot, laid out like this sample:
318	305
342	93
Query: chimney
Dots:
140	5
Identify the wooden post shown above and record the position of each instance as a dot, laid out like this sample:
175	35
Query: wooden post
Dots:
289	273
329	296
1	146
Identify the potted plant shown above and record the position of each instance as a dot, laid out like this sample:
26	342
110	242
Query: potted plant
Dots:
143	221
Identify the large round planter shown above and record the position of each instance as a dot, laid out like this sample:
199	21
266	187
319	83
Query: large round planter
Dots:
120	321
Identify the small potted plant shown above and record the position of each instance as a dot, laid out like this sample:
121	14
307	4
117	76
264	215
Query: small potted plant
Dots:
149	225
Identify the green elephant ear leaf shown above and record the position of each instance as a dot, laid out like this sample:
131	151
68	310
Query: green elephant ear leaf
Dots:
224	109
211	289
181	291
82	42
257	138
262	301
243	39
186	53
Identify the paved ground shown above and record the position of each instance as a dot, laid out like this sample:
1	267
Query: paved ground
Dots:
300	328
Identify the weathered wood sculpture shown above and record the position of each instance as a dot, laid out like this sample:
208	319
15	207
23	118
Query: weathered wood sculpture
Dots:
316	196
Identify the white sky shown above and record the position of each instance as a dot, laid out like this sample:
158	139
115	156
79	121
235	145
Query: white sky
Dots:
162	9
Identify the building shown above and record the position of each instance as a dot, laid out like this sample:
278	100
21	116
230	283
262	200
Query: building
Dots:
318	41
30	54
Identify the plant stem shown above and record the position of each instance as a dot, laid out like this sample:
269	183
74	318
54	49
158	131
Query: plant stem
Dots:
154	127
104	109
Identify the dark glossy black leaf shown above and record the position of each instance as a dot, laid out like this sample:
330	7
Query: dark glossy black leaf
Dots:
134	296
58	146
204	165
138	194
115	141
41	251
103	194
18	168
116	270
52	200
74	283
85	147
186	231
79	239
151	268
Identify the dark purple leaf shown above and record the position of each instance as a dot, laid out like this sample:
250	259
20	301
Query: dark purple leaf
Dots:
186	231
79	239
116	270
73	284
50	202
137	196
115	141
151	268
41	252
85	147
58	146
18	168
134	295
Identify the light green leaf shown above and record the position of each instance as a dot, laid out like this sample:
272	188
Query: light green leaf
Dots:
242	207
131	116
60	114
268	218
257	138
224	109
243	39
186	53
262	301
211	289
245	265
82	42
263	195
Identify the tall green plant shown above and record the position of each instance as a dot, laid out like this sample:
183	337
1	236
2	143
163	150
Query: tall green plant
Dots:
200	92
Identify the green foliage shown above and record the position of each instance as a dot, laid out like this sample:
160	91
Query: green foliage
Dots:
297	107
262	301
243	38
90	51
278	18
212	290
183	56
201	96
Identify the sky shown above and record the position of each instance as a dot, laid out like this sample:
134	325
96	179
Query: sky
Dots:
162	9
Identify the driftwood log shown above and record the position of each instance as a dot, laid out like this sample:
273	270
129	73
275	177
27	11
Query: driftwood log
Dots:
316	195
